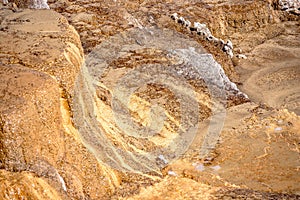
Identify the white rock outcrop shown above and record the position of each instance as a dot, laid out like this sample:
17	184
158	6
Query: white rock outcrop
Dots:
39	4
203	31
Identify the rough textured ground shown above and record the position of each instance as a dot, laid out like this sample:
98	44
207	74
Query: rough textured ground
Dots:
40	55
42	155
271	72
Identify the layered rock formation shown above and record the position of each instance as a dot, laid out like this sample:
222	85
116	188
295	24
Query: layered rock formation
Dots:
40	57
49	148
130	72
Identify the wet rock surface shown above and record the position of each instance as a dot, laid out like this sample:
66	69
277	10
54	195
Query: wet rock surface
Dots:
44	154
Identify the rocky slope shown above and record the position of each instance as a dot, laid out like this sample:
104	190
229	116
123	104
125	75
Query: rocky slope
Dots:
47	96
40	57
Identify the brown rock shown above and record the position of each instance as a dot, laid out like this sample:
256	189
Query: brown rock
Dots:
30	113
25	185
40	57
46	42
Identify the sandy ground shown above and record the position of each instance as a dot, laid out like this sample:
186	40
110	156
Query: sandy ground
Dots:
271	74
